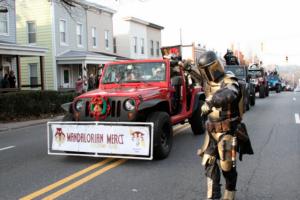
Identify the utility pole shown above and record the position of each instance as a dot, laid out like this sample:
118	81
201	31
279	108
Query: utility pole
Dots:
180	32
261	53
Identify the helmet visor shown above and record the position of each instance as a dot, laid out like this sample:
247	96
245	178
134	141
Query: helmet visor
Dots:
213	71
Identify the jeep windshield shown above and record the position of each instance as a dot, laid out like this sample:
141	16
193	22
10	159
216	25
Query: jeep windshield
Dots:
273	77
239	72
255	73
134	72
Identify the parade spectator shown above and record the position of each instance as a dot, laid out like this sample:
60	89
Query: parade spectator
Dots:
79	85
97	80
85	84
12	79
5	82
91	82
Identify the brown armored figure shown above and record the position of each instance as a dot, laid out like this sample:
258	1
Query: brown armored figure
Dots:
225	133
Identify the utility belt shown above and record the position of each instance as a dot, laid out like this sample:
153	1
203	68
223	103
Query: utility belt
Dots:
222	126
228	114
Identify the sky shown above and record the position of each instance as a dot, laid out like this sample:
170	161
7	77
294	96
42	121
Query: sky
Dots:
269	29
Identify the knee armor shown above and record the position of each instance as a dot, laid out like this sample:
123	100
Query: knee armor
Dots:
225	147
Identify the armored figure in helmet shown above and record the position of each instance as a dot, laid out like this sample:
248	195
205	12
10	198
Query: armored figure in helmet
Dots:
230	58
223	127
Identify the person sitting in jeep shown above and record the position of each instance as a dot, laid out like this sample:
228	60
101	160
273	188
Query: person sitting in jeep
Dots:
158	74
230	58
130	76
130	73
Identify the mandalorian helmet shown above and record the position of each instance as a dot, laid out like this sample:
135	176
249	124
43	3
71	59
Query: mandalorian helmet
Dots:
210	66
229	51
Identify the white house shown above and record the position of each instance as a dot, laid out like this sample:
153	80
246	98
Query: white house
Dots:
136	38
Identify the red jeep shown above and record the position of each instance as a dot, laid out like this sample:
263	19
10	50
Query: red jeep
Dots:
144	91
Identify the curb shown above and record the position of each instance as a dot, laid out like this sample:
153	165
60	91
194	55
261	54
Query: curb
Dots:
18	125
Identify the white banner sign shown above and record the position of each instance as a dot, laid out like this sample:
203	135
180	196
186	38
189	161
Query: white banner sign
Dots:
131	139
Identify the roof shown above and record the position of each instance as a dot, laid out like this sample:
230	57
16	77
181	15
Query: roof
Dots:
136	20
78	57
140	21
155	26
98	7
21	50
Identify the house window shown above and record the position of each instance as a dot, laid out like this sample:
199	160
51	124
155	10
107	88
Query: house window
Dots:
4	23
135	44
106	37
115	45
31	28
62	30
152	47
142	45
33	74
94	38
79	34
157	48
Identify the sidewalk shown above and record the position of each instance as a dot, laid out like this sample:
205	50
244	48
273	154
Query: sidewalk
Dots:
17	125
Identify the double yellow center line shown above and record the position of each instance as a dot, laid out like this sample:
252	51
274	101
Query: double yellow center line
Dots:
73	176
113	163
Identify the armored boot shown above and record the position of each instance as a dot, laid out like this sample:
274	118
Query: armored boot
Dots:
213	189
229	195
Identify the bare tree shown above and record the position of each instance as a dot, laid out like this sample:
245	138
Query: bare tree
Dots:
70	5
3	6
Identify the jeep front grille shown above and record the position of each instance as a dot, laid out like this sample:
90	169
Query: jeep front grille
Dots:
115	108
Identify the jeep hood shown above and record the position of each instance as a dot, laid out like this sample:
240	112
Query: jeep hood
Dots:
144	92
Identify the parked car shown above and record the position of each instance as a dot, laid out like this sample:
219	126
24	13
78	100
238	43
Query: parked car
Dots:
248	88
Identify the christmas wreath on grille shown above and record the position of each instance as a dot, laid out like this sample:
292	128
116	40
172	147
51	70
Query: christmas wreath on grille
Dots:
99	107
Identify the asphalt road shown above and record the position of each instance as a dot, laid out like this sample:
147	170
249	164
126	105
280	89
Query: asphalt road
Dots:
273	172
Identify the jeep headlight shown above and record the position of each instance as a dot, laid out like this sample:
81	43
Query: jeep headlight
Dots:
79	105
129	104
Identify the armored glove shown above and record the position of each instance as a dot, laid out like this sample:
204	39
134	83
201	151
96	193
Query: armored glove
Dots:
205	108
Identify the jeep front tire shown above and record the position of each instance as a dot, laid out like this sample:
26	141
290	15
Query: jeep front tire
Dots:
252	99
262	91
278	88
197	121
163	134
